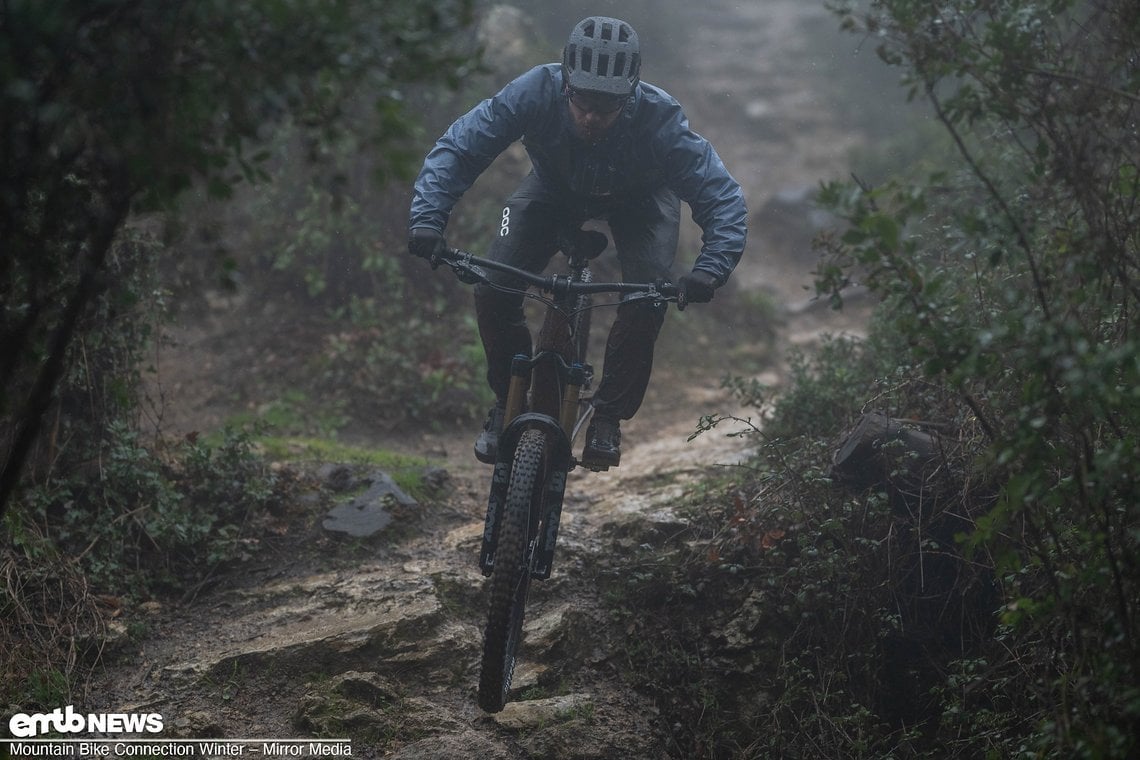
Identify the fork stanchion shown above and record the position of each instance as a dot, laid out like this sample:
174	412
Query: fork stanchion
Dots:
575	377
516	392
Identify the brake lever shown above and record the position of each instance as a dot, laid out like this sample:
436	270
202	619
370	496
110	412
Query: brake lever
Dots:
657	293
465	271
653	295
469	274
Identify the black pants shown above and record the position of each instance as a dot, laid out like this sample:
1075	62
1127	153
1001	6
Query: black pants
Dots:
644	233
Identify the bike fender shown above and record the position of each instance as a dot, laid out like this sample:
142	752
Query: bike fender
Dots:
560	444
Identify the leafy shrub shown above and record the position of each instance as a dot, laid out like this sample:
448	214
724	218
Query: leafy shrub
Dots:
999	618
86	150
147	521
818	622
140	521
1009	281
397	363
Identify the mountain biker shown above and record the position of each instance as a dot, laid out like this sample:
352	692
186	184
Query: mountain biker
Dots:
604	146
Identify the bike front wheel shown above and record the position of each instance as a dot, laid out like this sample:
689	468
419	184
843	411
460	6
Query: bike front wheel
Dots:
510	581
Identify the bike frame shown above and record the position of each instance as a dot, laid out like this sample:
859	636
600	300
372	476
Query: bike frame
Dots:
560	421
535	450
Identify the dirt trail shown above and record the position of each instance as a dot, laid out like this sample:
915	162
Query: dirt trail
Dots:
381	641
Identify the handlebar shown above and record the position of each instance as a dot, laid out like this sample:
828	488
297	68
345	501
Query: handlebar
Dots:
471	268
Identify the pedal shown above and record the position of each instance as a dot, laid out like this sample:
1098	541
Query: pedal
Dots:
595	465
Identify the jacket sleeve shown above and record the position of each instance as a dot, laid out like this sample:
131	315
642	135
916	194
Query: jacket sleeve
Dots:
470	144
699	177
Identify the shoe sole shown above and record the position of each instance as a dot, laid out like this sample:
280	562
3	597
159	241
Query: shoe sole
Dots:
599	463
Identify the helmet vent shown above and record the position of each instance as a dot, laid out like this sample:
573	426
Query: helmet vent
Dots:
602	55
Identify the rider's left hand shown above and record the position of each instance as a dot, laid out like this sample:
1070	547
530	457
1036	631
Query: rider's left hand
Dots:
696	287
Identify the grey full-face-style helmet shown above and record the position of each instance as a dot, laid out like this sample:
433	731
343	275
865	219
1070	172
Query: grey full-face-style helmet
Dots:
603	56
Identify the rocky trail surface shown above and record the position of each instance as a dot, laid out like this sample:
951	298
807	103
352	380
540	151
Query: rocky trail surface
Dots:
379	639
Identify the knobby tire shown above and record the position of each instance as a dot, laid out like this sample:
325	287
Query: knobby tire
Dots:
510	580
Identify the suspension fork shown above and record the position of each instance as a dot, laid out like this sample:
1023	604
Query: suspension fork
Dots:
569	377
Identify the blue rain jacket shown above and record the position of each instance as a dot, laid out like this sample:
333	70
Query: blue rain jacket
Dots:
650	146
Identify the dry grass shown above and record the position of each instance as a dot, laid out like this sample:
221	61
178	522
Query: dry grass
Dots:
51	630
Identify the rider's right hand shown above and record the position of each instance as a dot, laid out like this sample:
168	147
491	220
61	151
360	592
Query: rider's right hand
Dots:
426	242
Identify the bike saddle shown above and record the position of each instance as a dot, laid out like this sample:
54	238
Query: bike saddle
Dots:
588	244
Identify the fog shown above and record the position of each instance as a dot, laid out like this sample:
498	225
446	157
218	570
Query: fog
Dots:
787	99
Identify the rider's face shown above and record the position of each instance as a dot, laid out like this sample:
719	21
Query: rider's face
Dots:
594	113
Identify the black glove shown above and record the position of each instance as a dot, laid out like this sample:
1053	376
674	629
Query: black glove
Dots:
696	287
426	242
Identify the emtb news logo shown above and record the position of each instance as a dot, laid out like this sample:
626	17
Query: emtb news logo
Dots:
66	721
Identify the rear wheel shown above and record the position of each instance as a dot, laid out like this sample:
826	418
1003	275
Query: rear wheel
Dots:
510	581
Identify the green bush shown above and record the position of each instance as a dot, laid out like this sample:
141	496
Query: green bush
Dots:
148	521
428	371
1009	281
998	616
818	622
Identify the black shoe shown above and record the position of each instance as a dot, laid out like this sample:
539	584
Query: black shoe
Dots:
487	444
603	444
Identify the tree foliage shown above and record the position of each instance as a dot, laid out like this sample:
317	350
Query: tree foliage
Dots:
994	610
1012	277
112	111
118	106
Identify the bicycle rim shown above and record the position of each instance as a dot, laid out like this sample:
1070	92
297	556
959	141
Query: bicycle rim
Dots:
511	578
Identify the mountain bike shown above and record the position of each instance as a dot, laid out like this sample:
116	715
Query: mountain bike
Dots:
548	403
